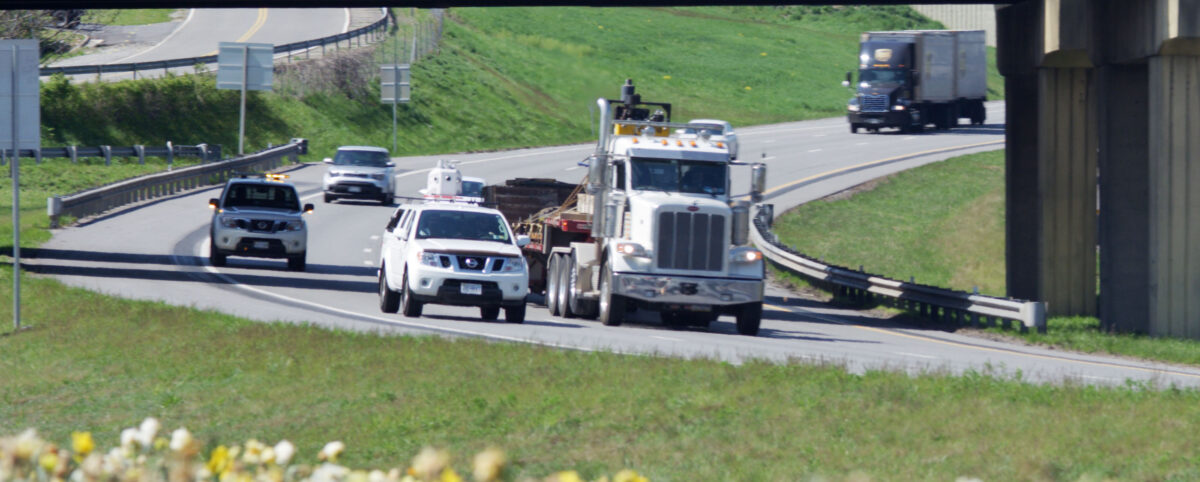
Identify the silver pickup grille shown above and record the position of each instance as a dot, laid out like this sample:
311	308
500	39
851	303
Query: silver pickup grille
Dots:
692	241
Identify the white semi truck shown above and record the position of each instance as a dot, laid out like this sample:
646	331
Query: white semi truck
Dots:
652	227
910	78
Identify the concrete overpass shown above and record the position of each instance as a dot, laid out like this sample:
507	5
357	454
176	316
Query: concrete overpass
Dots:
1105	90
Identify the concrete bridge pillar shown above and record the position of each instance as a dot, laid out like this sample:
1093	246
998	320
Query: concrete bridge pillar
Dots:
1051	155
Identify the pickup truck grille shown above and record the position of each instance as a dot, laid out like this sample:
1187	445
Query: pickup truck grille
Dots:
692	241
874	103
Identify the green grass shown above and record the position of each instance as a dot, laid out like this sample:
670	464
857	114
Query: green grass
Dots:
941	224
101	364
132	16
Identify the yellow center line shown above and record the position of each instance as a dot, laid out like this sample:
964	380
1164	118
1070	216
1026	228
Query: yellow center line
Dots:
981	348
258	24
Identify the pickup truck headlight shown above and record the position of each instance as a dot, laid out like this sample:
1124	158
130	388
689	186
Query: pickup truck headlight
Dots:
430	259
745	255
632	249
378	177
229	222
297	225
512	265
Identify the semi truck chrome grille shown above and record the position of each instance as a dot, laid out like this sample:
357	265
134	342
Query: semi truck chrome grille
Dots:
874	103
693	241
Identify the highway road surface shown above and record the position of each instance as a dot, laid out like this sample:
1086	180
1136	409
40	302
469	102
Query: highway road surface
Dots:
157	251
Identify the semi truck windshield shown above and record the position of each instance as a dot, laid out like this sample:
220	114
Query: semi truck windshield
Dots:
881	76
674	175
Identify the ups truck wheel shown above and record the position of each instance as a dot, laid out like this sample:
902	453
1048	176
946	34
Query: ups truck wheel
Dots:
410	307
515	314
612	305
552	302
749	317
489	313
854	128
389	299
328	198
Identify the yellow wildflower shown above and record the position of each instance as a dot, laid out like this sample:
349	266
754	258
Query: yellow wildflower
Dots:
666	77
48	460
254	450
82	443
565	476
747	87
764	54
449	475
27	444
629	476
331	451
601	27
428	464
489	464
219	461
358	476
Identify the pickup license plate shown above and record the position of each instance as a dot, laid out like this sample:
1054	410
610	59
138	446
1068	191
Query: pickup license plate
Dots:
471	289
355	189
261	245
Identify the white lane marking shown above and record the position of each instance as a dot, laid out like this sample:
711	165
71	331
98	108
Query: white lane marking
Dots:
862	143
916	355
191	11
202	248
767	158
374	237
815	150
573	168
769	141
366	250
909	138
819	135
368	262
665	338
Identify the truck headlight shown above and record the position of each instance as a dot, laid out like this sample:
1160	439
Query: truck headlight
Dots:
229	222
512	265
297	225
745	255
430	259
898	107
377	177
632	249
852	107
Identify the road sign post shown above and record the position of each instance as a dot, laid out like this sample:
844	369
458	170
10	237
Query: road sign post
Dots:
394	88
245	66
20	90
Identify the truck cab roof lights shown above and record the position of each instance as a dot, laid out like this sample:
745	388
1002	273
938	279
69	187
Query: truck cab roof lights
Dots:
721	144
694	144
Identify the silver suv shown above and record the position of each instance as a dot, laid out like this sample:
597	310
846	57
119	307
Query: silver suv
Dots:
360	172
259	217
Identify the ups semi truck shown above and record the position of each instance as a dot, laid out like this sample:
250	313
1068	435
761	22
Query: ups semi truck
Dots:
909	79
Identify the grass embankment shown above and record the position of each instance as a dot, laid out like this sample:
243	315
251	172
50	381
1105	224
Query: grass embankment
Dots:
101	364
943	224
131	16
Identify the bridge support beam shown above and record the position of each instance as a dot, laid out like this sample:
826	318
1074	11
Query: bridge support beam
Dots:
1051	160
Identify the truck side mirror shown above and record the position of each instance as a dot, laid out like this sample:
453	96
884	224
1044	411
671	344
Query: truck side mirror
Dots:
522	240
212	203
758	181
328	160
846	83
308	208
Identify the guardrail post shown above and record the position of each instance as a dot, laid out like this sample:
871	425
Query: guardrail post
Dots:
141	153
54	209
74	153
170	155
203	152
107	150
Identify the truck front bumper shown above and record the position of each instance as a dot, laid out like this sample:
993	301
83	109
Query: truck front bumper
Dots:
884	119
687	290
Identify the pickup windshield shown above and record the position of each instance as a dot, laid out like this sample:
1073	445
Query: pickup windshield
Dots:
475	226
673	175
361	158
278	196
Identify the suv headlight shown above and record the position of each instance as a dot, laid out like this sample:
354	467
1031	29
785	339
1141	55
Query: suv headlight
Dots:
228	222
512	265
378	177
430	259
297	225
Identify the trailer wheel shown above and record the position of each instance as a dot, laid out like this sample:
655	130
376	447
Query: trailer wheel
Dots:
749	317
552	301
576	306
566	268
612	305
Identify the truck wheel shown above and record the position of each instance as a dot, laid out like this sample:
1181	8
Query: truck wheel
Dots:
389	299
410	307
612	305
489	313
566	267
574	305
328	198
748	318
296	263
385	199
515	314
552	285
215	257
854	128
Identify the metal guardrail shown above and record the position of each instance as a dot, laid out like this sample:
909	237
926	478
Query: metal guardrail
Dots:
375	29
204	152
98	200
931	301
